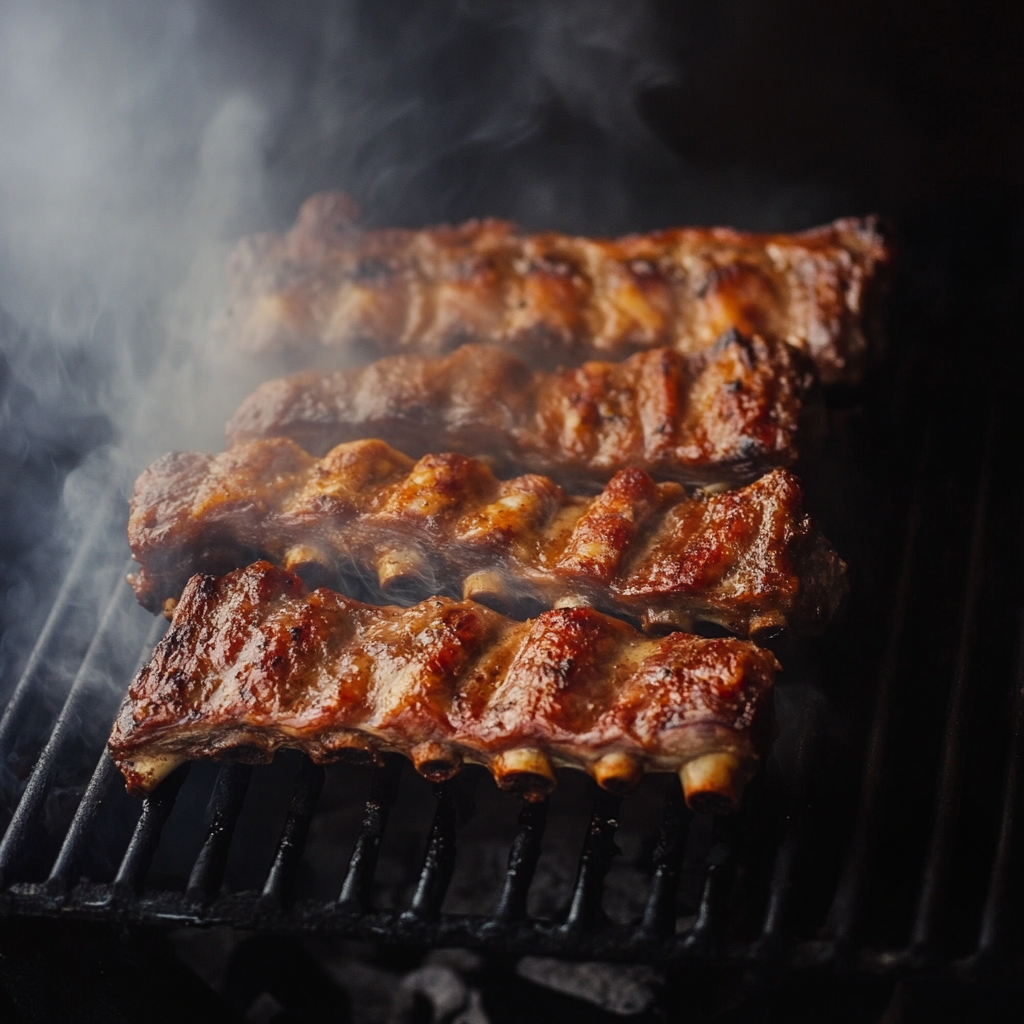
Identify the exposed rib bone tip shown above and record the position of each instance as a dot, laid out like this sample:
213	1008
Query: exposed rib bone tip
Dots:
526	771
486	587
617	772
403	572
572	601
661	621
350	748
436	761
299	556
713	783
169	605
315	567
767	626
143	775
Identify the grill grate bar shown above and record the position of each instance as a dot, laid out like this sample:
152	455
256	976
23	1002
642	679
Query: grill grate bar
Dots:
279	888
46	766
156	809
62	875
659	910
78	835
780	893
844	914
992	933
226	804
439	860
598	850
714	895
947	807
357	889
55	621
522	861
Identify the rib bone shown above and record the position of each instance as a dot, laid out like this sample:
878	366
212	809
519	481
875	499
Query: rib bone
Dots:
713	783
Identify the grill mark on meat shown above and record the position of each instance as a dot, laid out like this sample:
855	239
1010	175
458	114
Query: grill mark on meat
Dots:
254	661
745	559
724	416
568	298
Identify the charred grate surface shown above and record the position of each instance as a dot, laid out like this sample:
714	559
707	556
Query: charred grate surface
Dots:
897	770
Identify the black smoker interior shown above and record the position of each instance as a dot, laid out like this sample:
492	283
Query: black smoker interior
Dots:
873	871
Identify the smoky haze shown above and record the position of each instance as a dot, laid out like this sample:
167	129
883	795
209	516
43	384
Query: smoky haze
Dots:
140	139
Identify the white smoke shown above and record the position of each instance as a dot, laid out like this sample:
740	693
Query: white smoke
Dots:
139	139
127	164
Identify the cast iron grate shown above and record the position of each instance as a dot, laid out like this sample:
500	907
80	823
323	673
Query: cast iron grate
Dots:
797	919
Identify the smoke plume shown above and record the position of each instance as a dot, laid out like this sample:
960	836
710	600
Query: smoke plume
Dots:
140	139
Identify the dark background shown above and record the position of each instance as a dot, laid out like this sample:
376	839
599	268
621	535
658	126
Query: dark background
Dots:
592	117
781	111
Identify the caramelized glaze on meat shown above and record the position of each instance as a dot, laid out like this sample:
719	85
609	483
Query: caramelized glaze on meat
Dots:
254	662
749	559
724	416
326	283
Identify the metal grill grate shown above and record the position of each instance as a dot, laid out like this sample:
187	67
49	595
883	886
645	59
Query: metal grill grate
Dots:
756	905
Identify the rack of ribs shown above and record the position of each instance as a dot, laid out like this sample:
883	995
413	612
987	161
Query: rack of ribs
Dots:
726	415
749	560
254	661
562	298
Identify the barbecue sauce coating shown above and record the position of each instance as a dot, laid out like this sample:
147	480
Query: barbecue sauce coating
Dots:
326	283
254	661
725	415
749	560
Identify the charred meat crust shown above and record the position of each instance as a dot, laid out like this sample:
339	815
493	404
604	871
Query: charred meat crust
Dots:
723	416
254	661
326	283
749	560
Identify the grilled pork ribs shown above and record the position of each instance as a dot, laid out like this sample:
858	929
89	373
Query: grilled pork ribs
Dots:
723	416
749	560
560	298
713	341
254	662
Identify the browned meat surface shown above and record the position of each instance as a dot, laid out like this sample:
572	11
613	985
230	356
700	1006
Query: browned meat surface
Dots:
726	415
325	282
254	662
749	560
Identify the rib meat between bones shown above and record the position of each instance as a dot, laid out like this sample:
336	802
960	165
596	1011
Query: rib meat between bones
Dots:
723	416
749	560
254	662
325	282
